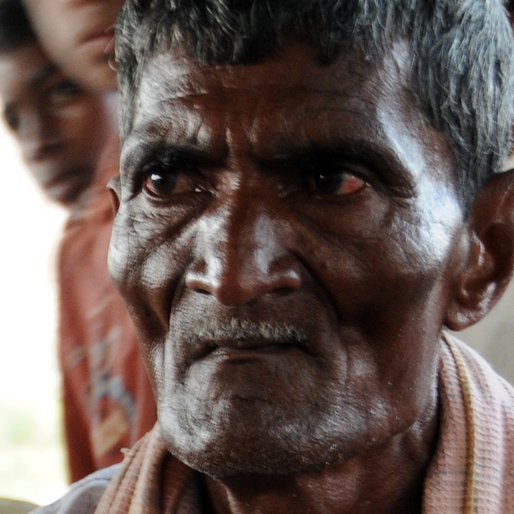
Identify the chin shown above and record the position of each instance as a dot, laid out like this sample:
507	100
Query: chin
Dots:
265	457
243	446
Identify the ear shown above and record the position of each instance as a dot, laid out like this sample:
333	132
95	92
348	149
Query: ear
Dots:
114	188
489	262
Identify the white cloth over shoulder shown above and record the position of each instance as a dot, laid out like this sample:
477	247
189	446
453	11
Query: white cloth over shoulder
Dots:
84	495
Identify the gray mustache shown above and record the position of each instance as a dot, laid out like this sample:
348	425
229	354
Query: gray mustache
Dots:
241	329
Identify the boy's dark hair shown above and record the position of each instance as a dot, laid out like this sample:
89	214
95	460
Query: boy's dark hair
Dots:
15	27
462	66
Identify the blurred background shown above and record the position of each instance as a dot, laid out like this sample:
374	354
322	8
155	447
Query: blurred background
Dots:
31	456
58	96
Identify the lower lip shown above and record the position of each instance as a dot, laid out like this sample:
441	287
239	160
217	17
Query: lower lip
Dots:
249	354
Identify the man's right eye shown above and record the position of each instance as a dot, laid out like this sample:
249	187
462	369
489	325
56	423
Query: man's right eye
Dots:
160	184
165	183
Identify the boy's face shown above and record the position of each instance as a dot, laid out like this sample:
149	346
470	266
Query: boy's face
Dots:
78	36
60	128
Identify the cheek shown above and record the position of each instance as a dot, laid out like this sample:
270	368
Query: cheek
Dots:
384	281
82	115
53	34
86	127
116	8
147	259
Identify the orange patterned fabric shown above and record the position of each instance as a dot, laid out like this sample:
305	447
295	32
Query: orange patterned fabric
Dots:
151	481
108	402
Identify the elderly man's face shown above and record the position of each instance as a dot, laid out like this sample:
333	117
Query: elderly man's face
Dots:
285	239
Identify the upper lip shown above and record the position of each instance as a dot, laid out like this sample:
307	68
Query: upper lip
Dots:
240	330
209	346
98	32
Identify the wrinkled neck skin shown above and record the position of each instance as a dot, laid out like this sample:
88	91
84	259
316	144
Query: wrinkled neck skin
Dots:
384	480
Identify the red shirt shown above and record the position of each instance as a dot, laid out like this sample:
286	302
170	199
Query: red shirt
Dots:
108	401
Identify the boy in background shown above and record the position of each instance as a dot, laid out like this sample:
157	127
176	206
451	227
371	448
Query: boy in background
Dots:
108	403
60	127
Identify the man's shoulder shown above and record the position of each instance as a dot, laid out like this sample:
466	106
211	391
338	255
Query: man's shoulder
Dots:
475	447
481	378
84	496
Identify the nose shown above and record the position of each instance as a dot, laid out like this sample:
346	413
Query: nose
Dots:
35	136
241	254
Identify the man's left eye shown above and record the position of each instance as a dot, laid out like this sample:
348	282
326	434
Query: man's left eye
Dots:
337	183
164	184
167	183
160	184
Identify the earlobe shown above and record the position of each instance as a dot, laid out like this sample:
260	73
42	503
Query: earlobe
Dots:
114	188
489	260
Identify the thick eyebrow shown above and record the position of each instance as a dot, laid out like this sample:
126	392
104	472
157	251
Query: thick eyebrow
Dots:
310	154
384	163
41	75
136	153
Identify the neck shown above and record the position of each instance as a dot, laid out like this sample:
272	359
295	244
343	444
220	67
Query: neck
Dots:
381	481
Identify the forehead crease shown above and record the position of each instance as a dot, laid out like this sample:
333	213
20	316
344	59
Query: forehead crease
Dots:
177	78
180	99
173	126
166	90
323	115
166	77
174	122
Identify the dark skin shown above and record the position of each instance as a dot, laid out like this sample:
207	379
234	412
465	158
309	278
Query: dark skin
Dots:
60	127
82	41
311	208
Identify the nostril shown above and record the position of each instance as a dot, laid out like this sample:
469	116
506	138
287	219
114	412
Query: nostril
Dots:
202	291
239	259
198	282
285	275
244	285
283	291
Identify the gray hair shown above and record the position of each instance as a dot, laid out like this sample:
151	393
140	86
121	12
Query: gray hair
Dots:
462	70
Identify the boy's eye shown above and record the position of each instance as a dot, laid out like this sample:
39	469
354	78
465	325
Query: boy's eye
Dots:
63	92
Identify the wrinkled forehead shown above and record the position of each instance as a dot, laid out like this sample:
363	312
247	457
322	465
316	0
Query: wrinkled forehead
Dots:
290	95
171	78
295	65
